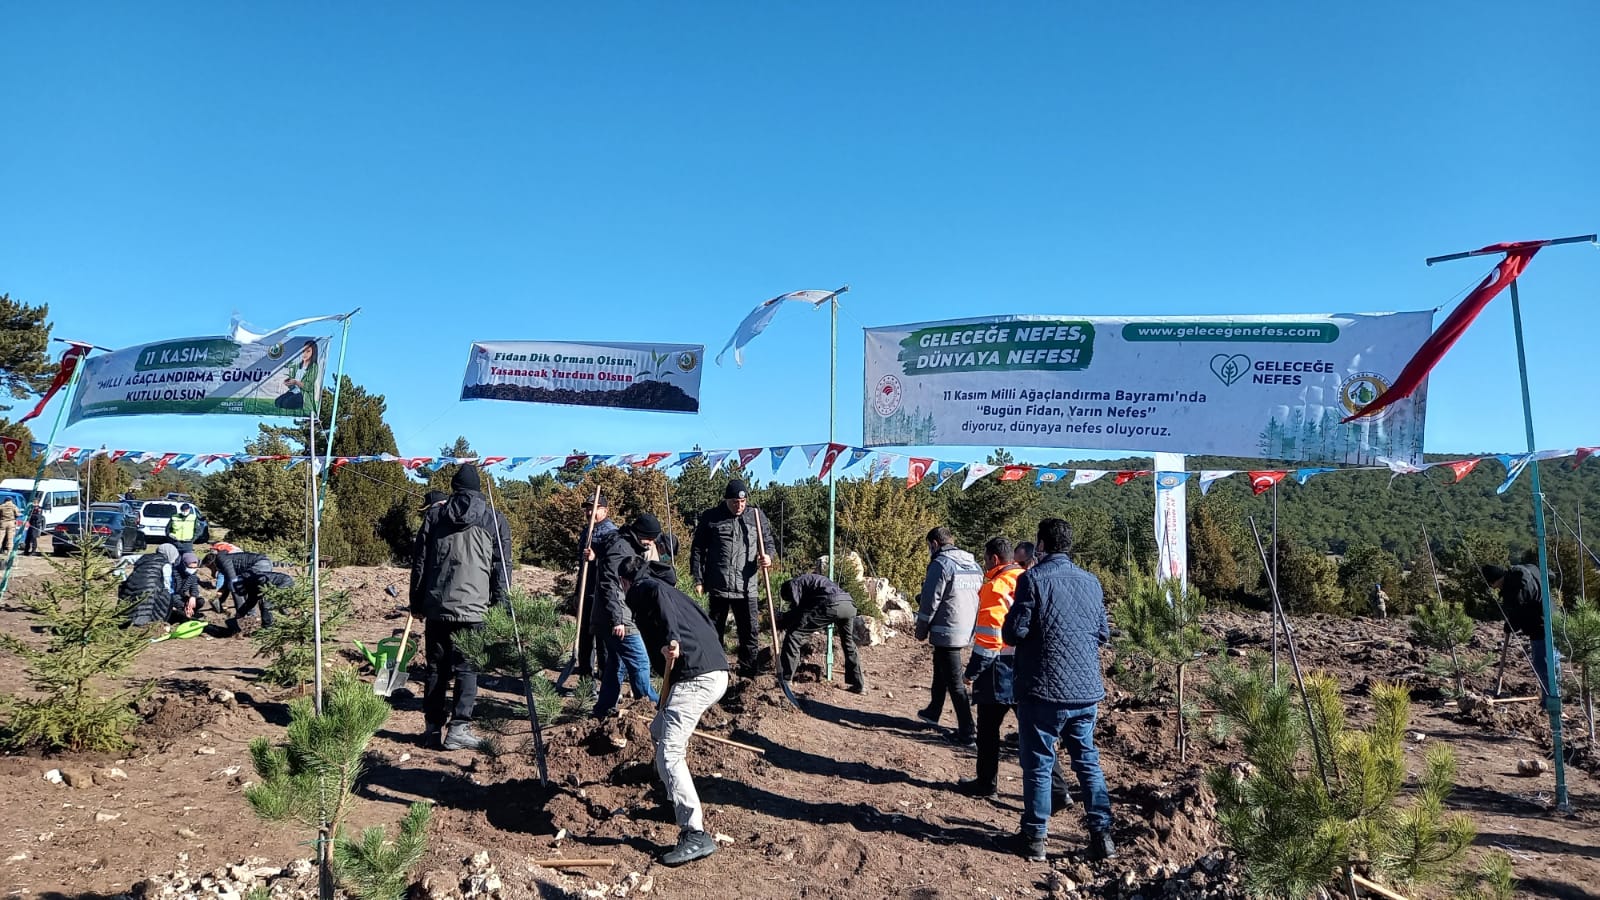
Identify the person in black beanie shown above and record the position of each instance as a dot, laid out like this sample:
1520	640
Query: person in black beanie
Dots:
725	560
687	650
459	566
613	623
1522	605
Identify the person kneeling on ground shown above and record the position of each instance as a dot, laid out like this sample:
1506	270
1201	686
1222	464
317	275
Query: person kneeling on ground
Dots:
686	649
990	674
815	603
613	622
186	589
1057	625
148	587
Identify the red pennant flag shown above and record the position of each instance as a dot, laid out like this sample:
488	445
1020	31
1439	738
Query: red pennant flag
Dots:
162	462
654	458
916	470
1582	454
576	459
1463	467
488	461
1015	473
11	445
1261	482
1124	477
118	454
339	461
1454	326
828	459
68	454
69	364
416	462
748	455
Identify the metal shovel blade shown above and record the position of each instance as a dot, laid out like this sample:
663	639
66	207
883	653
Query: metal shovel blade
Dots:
390	677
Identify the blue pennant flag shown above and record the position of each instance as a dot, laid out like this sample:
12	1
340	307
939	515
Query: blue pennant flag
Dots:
517	461
595	462
779	454
880	467
685	458
945	471
181	460
1049	476
716	458
1301	476
857	454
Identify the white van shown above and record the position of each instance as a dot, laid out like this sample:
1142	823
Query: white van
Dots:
58	496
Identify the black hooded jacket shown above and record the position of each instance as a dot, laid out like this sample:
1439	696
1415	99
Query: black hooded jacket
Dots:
666	614
459	565
236	567
1523	602
610	608
148	590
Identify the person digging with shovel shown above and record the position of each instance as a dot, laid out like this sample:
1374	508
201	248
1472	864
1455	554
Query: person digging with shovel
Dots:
686	649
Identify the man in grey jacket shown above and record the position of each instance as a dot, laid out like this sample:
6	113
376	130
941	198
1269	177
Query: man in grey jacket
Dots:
1057	625
947	610
458	568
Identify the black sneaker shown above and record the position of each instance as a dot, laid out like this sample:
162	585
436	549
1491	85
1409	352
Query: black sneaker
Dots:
857	689
1060	802
972	787
433	738
963	740
928	717
1101	846
1029	847
692	845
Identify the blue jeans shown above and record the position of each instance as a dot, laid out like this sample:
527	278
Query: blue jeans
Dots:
1541	666
1039	726
623	653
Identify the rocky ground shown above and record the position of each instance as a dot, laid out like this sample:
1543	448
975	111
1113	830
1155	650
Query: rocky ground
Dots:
848	797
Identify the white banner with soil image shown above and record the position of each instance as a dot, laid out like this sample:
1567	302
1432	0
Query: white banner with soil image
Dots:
1275	387
655	377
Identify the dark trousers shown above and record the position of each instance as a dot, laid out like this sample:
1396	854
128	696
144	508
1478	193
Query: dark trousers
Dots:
745	619
990	717
586	641
30	544
947	673
841	615
252	592
446	664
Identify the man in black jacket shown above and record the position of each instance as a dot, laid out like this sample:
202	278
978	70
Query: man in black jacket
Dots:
613	622
1522	604
726	560
245	577
458	568
814	603
687	650
587	542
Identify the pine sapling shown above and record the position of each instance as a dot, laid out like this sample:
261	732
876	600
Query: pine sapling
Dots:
1445	627
546	641
376	868
86	643
287	642
1578	635
1160	623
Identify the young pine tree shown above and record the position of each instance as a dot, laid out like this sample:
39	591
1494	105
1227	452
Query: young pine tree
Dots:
546	644
1445	627
310	779
287	643
85	645
1323	798
1161	624
1577	633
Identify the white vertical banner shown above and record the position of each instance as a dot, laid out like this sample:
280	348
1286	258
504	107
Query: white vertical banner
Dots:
1172	516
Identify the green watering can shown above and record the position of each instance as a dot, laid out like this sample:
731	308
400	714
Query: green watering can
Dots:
382	656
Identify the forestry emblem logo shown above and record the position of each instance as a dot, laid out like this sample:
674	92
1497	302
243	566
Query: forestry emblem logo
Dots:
886	399
1361	389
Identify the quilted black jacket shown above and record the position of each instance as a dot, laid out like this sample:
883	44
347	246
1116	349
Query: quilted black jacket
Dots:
1057	625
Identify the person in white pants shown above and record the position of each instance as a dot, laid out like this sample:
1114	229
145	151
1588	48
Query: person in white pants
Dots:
685	647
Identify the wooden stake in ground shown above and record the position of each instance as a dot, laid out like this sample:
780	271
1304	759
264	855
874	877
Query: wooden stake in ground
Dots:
772	613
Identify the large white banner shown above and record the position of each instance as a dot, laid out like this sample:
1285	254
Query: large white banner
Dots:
203	375
660	377
1273	387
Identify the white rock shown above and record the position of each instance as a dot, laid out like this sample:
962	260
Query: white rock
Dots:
721	838
187	833
205	751
1416	737
1532	767
221	696
17	857
103	817
300	868
54	777
646	884
479	860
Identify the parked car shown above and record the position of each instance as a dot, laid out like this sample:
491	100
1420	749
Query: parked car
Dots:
126	507
155	514
118	534
58	496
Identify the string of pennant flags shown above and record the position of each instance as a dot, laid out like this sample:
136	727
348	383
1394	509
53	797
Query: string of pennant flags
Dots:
834	456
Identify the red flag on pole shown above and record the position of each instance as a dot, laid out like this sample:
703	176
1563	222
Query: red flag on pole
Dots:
69	364
1455	325
916	470
748	455
829	457
1261	482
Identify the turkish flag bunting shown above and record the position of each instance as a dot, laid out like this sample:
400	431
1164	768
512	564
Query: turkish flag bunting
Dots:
654	458
339	461
747	455
1015	473
162	462
69	364
1463	467
11	445
1124	477
1582	454
829	458
576	459
1454	326
1261	482
916	470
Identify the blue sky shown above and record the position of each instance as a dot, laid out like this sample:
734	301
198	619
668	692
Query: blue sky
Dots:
650	172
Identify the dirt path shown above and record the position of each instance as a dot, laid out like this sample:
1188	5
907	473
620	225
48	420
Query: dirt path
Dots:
850	800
